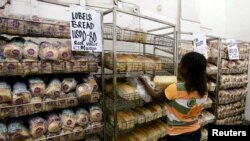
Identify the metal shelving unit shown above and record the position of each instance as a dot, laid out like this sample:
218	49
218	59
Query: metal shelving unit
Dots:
159	43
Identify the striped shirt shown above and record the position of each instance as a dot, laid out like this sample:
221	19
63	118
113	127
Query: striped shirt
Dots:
183	109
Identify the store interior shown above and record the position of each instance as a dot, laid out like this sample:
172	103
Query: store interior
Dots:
48	91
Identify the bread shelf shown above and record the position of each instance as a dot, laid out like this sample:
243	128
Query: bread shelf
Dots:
228	100
231	113
143	37
234	70
233	120
234	85
243	56
122	104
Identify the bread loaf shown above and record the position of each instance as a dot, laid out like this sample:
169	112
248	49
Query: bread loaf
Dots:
62	29
58	66
5	92
61	102
92	138
83	64
34	27
36	105
48	51
20	94
127	91
71	99
163	81
72	66
45	67
13	66
95	113
48	29
54	125
13	50
3	24
5	110
54	89
41	138
82	117
65	135
53	136
17	131
37	126
3	42
68	119
65	52
30	50
2	67
30	66
78	133
49	104
16	26
3	132
84	91
37	87
68	84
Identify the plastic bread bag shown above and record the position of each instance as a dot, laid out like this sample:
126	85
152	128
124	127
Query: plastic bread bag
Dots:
17	131
71	99
30	66
13	66
6	110
52	136
36	105
65	52
65	135
37	87
14	49
45	67
82	117
5	92
48	51
54	125
78	133
68	119
61	102
20	94
41	138
54	88
142	91
58	66
30	50
3	132
95	113
37	126
68	84
3	42
85	90
96	127
72	66
83	64
2	66
49	104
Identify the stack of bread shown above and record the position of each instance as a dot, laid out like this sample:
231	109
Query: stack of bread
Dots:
206	118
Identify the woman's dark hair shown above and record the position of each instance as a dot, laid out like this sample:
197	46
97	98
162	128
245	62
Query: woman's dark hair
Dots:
192	69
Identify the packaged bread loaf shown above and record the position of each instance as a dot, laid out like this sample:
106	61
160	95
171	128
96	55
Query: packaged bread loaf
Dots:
3	132
78	133
36	105
61	102
127	91
5	92
162	82
17	131
83	64
95	113
58	66
34	27
146	112
82	117
84	90
68	85
16	26
13	66
3	42
30	50
30	66
37	126
72	99
48	27
65	52
14	49
96	127
54	89
72	66
48	51
68	119
45	67
6	110
65	135
3	24
49	104
62	29
37	87
20	94
54	125
52	136
2	67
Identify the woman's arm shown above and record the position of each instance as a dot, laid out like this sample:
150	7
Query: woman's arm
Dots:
157	95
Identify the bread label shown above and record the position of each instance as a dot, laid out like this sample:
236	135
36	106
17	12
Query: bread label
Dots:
84	119
15	52
65	55
69	122
44	65
56	93
15	24
98	115
31	51
65	87
11	67
50	54
37	90
18	136
19	101
38	105
61	28
72	102
39	130
51	103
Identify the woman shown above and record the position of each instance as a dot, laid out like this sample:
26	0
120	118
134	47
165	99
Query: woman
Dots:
184	99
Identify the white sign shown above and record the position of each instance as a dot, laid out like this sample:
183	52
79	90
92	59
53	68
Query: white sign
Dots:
85	28
200	44
232	48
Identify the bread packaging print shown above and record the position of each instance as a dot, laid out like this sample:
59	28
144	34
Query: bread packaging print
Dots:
61	102
62	29
36	105
72	66
68	119
34	27
54	89
65	52
49	104
16	26
5	92
95	113
83	64
45	67
30	66
37	126
78	133
68	84
13	66
30	50
14	49
20	94
48	51
54	125
17	131
5	110
72	99
37	87
82	117
58	66
3	132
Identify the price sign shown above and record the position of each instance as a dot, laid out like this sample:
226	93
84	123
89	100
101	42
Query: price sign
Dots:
85	28
232	48
200	44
